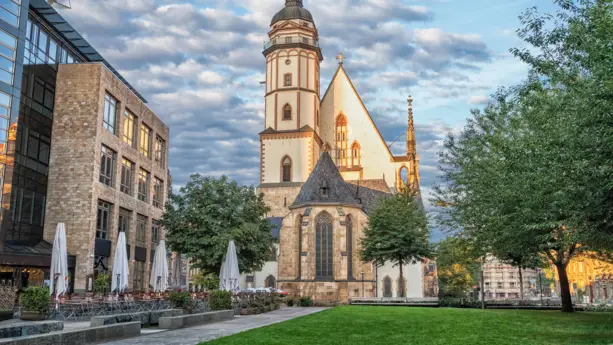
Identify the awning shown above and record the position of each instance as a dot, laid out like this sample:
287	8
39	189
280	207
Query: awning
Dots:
38	255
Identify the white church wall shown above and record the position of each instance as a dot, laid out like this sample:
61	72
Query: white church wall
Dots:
412	273
276	149
374	154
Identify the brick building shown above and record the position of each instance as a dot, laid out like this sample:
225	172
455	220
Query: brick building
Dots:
78	145
502	280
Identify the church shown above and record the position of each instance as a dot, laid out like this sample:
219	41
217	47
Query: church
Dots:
323	166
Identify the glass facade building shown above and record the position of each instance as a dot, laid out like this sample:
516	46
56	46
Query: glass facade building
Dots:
34	39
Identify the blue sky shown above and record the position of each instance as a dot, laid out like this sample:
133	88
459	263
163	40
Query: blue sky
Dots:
199	64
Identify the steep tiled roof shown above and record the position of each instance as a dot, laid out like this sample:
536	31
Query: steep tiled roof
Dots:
368	192
325	185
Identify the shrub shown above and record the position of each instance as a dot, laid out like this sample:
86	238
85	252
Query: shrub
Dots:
221	300
101	284
289	301
599	308
306	301
35	299
458	303
180	299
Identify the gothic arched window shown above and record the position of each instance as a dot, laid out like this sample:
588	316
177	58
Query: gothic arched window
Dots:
355	154
287	112
341	140
349	224
286	169
387	287
270	282
324	247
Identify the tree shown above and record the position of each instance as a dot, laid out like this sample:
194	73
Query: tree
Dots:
207	213
397	232
458	266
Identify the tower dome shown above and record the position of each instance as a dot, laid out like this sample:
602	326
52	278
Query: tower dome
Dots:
293	10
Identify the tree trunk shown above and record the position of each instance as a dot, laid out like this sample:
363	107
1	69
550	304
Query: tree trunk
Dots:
521	286
401	281
567	302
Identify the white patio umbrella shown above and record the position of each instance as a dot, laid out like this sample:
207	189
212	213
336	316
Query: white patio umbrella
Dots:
59	262
159	270
120	265
229	275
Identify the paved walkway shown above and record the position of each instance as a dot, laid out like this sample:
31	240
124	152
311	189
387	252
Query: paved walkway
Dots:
198	334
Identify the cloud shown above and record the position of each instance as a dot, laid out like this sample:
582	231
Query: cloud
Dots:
478	100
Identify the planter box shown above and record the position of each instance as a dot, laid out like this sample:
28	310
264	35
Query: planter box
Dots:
33	316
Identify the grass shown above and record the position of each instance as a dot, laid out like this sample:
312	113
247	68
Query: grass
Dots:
398	325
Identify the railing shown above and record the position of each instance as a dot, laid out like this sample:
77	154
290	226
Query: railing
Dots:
290	40
396	299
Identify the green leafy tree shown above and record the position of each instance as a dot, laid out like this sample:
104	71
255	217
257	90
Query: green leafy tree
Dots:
207	213
397	232
459	266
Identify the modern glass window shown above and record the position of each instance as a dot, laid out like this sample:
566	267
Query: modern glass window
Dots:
287	112
160	152
139	276
9	12
103	219
155	232
158	192
110	113
129	129
324	247
8	45
125	219
107	165
286	170
145	140
5	116
127	176
143	185
141	231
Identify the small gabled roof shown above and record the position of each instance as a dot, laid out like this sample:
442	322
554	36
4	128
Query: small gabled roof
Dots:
325	186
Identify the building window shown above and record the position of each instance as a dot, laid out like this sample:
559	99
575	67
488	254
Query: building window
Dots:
9	12
139	276
341	141
101	266
145	140
110	113
160	152
158	192
107	165
324	247
287	112
143	185
288	40
286	169
129	129
155	233
127	176
349	224
387	287
141	231
270	282
8	45
125	219
103	220
287	79
355	154
500	285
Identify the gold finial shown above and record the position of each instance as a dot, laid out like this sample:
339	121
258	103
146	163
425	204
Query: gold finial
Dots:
340	58
410	100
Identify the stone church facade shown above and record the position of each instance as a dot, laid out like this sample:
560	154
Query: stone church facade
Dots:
323	166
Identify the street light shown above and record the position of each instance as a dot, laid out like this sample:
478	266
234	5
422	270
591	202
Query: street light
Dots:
362	283
597	280
541	285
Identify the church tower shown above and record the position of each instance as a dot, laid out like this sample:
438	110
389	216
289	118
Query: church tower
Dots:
290	143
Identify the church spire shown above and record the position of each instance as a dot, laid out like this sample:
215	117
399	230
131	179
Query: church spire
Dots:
411	142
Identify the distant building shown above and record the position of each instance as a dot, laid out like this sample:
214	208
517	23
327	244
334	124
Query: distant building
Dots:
590	280
502	280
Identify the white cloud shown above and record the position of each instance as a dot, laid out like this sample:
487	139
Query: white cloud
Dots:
478	100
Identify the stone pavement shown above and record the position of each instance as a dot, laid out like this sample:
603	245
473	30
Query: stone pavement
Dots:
198	334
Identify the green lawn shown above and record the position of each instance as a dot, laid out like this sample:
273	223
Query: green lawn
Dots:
424	326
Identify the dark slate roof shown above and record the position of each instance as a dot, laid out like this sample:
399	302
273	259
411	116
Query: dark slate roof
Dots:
304	129
368	192
276	226
293	10
325	175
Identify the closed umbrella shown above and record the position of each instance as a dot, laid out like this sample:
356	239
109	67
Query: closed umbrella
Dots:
59	262
229	276
120	265
159	270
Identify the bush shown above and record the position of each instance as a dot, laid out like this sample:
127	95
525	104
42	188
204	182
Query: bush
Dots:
101	284
35	299
306	301
221	300
180	299
599	308
459	303
289	301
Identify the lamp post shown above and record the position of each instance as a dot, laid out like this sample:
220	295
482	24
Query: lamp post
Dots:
540	285
597	280
362	283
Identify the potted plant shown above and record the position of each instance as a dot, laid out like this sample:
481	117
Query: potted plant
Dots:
101	284
34	302
181	300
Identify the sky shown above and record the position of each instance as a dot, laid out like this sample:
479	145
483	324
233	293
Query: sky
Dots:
199	64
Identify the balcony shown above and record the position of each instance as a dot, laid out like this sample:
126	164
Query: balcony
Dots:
291	40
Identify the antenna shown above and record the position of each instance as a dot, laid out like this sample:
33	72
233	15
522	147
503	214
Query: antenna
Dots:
61	3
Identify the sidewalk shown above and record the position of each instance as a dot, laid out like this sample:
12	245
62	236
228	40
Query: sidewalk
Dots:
198	334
